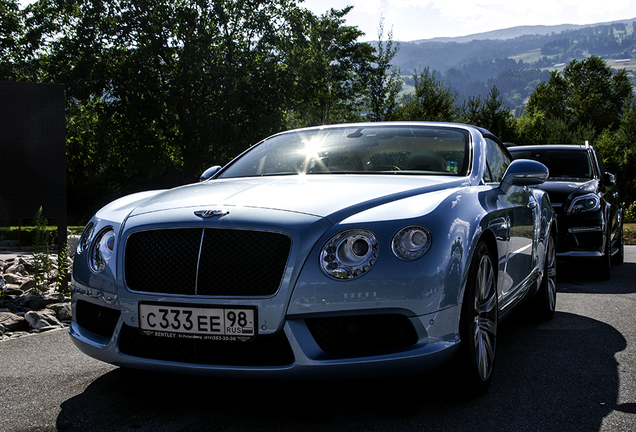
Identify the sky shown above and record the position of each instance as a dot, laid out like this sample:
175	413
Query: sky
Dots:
426	19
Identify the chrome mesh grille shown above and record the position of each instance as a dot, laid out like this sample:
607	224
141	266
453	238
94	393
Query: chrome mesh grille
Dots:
230	262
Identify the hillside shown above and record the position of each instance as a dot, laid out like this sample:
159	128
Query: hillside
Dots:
514	32
515	60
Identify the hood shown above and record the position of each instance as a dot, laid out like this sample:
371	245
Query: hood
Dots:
560	191
317	195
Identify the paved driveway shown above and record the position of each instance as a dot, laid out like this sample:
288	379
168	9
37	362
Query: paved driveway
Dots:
574	373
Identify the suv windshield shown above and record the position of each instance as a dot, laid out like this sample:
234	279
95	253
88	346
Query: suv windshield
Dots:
359	149
563	164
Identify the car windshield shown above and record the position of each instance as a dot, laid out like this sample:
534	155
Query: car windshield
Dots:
563	164
358	149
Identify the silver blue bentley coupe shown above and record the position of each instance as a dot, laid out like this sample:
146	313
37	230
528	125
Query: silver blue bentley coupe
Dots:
350	250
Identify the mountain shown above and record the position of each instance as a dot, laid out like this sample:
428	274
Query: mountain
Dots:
514	32
517	59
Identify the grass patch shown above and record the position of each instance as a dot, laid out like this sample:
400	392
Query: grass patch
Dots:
27	234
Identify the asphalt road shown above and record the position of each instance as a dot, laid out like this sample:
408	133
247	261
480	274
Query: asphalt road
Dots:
574	373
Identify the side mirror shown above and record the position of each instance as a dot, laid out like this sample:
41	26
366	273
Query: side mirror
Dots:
209	173
609	179
524	172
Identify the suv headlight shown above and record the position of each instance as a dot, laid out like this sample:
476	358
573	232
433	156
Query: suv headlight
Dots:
585	203
349	254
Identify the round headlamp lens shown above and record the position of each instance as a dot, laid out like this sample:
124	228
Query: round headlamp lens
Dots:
349	254
411	242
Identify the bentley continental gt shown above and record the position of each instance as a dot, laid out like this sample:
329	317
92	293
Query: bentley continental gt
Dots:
355	250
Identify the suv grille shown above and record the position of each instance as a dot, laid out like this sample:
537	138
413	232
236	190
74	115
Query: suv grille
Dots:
210	262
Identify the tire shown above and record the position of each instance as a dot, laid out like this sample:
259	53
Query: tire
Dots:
604	265
545	299
478	323
619	257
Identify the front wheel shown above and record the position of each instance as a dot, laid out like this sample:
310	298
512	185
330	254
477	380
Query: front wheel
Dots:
545	299
478	323
619	257
604	264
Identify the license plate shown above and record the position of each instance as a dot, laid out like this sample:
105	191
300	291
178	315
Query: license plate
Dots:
210	323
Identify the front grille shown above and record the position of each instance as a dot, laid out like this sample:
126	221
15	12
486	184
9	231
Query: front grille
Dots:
210	262
270	350
96	319
362	334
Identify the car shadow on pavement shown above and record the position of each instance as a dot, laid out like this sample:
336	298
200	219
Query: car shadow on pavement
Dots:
580	277
557	375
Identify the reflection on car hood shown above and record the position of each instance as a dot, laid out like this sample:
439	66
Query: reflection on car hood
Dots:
320	195
559	190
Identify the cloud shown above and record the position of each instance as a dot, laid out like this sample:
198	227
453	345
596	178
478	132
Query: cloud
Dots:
423	19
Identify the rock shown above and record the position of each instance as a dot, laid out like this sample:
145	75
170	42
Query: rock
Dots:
16	268
12	322
13	291
62	311
73	241
42	319
27	285
14	279
38	302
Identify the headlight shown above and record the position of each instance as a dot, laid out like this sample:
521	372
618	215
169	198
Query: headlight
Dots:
349	254
585	203
102	250
85	238
411	242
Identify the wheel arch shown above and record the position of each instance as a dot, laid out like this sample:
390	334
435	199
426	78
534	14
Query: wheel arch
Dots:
489	237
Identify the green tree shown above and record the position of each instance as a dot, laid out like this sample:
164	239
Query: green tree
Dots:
158	91
588	94
618	151
329	68
431	101
490	114
12	42
385	82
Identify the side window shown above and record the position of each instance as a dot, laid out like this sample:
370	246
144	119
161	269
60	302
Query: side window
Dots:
599	161
497	161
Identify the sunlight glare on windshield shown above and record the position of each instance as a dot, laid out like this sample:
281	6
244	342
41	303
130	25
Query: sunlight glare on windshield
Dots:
311	150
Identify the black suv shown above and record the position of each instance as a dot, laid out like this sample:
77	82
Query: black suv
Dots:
583	194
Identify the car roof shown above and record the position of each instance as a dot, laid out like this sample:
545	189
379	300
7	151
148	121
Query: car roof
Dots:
547	146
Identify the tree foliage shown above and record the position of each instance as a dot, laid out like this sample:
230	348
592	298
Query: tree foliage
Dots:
157	91
490	114
431	101
385	82
588	94
329	68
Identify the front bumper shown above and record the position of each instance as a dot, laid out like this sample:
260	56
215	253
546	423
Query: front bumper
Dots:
293	353
581	236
